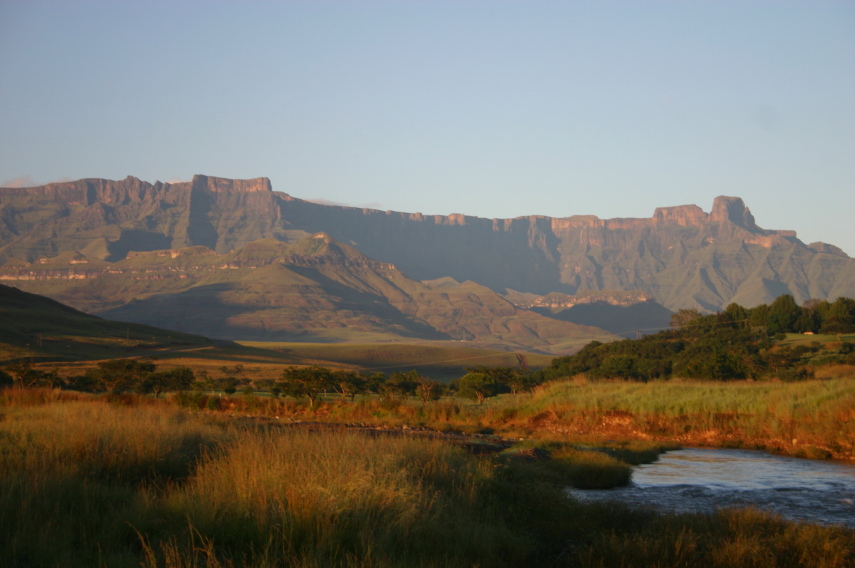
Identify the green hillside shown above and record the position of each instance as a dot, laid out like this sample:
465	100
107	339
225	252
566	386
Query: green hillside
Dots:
44	330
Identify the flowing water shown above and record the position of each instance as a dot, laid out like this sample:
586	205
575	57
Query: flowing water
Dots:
704	480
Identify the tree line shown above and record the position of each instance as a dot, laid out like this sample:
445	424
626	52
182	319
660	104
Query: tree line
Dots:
141	376
737	343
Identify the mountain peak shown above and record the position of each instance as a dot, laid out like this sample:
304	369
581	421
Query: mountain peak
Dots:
733	210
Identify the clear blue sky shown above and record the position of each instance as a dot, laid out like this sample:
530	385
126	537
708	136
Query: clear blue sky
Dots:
489	108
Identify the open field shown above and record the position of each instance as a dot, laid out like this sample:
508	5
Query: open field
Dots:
794	339
140	482
439	360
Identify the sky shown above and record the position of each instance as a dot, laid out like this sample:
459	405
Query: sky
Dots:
492	108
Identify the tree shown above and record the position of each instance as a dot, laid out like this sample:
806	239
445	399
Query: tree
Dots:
737	314
306	381
682	318
374	382
23	374
807	322
477	386
840	316
347	384
757	316
178	379
509	379
51	379
521	381
118	375
618	367
401	384
229	385
782	315
428	390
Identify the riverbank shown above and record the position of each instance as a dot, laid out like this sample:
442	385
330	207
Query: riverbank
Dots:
141	482
810	419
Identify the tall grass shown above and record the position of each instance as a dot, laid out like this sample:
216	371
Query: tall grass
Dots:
89	482
812	417
73	473
313	498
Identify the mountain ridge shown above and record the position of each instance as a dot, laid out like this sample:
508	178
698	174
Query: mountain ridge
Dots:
682	256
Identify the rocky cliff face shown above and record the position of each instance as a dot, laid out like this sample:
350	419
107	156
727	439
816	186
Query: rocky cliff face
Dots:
108	219
681	257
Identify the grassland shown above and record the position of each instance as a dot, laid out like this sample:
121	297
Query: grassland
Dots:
438	360
794	339
808	419
814	418
140	482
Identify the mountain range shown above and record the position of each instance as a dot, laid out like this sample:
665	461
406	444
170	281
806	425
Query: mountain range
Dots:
233	258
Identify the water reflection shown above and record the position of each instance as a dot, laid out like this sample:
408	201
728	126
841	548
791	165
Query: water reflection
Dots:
703	480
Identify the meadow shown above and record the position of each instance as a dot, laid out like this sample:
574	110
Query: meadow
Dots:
812	418
132	481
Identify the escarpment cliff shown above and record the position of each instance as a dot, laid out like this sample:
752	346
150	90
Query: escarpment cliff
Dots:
681	257
108	219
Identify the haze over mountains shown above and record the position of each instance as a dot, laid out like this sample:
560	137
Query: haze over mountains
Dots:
406	274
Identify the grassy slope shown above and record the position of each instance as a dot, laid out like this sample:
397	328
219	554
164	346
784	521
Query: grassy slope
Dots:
40	328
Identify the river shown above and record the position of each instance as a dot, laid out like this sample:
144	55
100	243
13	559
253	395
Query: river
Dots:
705	479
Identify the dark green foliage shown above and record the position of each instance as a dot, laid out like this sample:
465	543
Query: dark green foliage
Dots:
348	384
22	375
401	385
477	386
838	317
230	385
306	381
177	379
122	375
730	345
510	379
428	390
783	315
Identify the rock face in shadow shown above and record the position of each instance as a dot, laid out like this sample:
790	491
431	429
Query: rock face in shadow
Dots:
681	257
